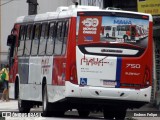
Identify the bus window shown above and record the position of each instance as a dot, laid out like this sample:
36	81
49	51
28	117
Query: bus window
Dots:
51	37
35	41
59	39
108	28
21	40
65	28
28	40
43	39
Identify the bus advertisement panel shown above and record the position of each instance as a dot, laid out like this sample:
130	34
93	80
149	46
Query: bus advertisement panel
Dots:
115	29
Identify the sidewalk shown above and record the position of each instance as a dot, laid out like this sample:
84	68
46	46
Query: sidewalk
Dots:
11	105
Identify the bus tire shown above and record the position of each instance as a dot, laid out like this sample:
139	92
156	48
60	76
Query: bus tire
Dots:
83	113
23	106
45	103
108	113
121	114
58	113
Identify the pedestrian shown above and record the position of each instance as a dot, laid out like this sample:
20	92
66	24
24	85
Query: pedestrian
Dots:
5	78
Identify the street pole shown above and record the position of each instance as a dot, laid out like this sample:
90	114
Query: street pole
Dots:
32	7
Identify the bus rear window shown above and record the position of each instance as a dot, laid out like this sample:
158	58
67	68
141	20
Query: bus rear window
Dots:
112	29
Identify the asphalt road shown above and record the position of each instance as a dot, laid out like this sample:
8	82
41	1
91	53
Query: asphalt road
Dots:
147	112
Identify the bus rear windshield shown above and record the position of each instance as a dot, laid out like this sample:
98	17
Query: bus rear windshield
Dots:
118	29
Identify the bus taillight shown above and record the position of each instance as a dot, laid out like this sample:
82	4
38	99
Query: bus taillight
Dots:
145	17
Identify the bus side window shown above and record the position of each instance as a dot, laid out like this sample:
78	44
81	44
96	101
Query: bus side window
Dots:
65	29
43	39
51	39
36	37
21	40
28	39
59	39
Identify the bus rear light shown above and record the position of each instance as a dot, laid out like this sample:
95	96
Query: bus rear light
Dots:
145	17
81	13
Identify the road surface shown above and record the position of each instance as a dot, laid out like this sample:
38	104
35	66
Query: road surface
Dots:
146	111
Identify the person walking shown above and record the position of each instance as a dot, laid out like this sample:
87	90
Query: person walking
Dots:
5	78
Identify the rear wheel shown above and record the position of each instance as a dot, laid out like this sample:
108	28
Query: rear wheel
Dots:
83	113
45	104
120	114
50	109
23	106
108	113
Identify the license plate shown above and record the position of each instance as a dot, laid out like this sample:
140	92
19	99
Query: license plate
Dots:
109	83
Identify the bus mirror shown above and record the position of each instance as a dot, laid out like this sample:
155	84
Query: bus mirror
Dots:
11	40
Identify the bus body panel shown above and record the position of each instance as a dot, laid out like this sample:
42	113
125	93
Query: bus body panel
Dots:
128	66
93	70
40	67
107	93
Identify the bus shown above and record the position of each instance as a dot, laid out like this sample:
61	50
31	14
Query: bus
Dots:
61	61
125	32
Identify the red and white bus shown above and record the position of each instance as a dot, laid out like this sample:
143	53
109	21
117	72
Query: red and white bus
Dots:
61	61
125	32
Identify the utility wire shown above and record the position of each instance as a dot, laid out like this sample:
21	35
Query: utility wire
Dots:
6	2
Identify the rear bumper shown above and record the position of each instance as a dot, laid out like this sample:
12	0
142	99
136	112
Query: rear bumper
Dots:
101	103
102	93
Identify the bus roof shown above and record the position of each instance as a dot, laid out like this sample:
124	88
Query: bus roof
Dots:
71	11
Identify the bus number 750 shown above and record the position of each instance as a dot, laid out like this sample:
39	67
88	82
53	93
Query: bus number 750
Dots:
136	66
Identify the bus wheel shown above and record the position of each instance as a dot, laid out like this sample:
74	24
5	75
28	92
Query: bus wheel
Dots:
108	113
23	106
120	115
58	113
45	104
83	113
